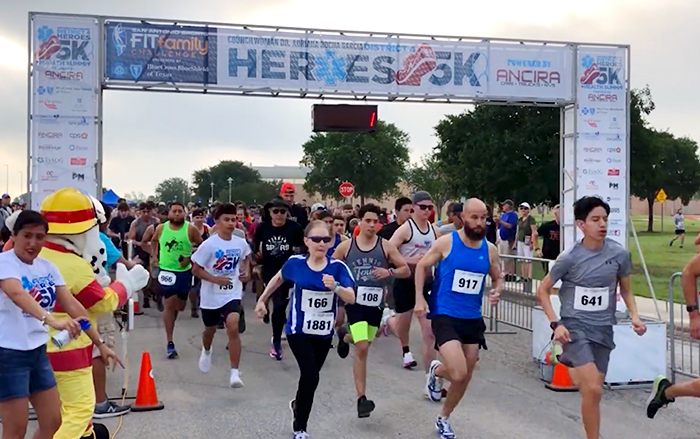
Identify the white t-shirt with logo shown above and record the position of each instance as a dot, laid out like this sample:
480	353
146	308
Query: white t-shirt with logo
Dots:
221	258
18	330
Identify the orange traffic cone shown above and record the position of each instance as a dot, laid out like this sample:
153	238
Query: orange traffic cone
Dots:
146	397
561	380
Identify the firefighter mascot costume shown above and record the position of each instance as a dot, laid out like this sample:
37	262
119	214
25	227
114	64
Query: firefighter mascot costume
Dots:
73	244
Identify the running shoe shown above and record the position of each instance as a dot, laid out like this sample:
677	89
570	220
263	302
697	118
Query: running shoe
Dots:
383	325
276	350
293	409
434	382
146	302
171	351
159	302
205	361
110	410
657	399
235	380
194	313
364	407
343	346
301	435
408	361
266	319
442	425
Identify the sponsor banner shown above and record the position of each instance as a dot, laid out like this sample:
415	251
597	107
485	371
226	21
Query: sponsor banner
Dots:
601	145
389	66
535	72
64	153
65	58
142	52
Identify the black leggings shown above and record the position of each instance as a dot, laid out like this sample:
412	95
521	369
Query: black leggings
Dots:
280	299
311	352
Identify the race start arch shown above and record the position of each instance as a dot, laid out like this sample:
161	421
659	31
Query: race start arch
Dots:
74	58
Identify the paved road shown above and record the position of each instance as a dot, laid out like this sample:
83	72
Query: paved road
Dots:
506	398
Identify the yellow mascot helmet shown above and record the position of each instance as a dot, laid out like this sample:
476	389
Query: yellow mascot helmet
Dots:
69	212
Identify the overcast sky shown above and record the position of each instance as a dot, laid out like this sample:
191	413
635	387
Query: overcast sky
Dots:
149	137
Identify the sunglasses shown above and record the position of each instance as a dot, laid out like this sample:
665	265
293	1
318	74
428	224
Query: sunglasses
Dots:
425	206
319	239
279	211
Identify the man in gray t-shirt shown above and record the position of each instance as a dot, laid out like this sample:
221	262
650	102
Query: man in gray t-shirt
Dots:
590	273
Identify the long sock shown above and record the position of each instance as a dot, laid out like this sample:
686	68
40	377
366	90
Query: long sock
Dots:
406	350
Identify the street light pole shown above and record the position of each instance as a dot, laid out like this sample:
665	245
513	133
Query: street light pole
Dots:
21	182
230	180
7	179
212	191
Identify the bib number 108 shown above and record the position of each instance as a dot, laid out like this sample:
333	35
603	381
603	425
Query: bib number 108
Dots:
318	325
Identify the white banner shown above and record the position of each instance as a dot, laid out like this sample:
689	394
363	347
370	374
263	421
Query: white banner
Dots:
65	85
601	147
286	61
64	155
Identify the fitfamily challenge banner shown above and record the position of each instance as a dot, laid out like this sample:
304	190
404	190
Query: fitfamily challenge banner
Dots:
160	53
65	87
601	147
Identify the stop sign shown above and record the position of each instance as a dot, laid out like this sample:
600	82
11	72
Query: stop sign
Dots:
346	189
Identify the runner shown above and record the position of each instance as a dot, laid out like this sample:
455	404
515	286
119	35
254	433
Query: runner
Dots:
276	239
679	222
413	239
147	246
371	270
297	213
590	273
222	263
136	232
317	280
465	259
204	231
172	248
664	392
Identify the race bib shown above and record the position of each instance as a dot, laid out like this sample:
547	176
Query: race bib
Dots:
316	301
167	279
591	299
318	323
224	289
369	296
466	282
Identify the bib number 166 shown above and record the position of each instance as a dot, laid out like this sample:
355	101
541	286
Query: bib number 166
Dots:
318	303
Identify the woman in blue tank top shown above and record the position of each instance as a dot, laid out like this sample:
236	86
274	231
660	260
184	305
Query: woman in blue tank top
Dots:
318	281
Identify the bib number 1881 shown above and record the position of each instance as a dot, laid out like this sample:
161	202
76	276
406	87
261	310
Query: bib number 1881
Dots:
318	325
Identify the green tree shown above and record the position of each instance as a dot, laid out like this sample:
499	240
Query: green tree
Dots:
498	152
238	172
373	163
428	175
259	192
173	189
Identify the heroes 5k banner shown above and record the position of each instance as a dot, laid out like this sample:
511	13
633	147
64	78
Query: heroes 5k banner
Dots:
287	61
65	85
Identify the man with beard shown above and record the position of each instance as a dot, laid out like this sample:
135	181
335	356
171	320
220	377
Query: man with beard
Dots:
465	259
136	233
172	248
297	213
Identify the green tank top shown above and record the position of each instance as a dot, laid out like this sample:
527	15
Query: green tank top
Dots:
172	245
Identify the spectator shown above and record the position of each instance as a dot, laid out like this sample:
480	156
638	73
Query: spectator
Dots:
454	220
507	228
490	225
527	240
119	227
549	232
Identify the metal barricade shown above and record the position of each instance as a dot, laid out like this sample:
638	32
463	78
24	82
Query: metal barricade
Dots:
683	349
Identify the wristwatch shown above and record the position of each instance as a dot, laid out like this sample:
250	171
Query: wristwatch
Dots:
337	287
554	325
692	308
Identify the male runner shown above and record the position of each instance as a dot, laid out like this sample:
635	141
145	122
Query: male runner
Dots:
664	391
222	263
136	232
413	239
297	213
172	247
275	241
465	258
590	273
368	256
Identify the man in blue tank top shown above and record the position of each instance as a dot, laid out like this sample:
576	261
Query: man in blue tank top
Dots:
466	258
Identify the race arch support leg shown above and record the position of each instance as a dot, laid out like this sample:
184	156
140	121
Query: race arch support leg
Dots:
77	394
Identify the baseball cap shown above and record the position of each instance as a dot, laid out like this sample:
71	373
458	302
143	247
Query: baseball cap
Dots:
509	202
421	196
287	188
318	206
276	202
525	205
6	196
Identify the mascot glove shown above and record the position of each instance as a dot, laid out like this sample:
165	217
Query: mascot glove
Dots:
104	281
133	280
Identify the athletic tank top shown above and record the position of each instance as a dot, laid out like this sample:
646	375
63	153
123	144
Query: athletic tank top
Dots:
420	242
141	227
369	291
337	242
173	245
461	280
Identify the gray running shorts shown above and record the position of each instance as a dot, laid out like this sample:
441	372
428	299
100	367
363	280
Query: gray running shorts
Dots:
589	344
